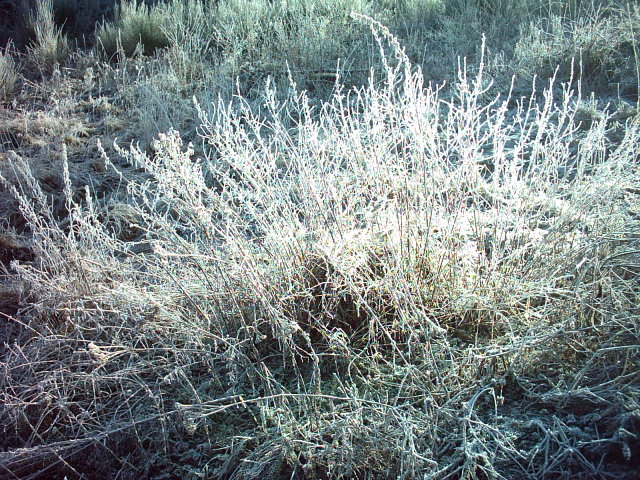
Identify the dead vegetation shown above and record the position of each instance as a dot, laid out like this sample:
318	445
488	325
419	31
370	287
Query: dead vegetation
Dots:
398	279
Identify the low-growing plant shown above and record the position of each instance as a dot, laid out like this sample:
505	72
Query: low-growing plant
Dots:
310	36
190	32
391	284
598	46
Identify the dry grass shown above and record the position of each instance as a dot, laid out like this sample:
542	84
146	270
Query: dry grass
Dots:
48	47
600	48
403	281
135	26
8	75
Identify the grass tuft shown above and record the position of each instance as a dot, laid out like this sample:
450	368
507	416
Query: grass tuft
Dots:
135	25
8	75
48	46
